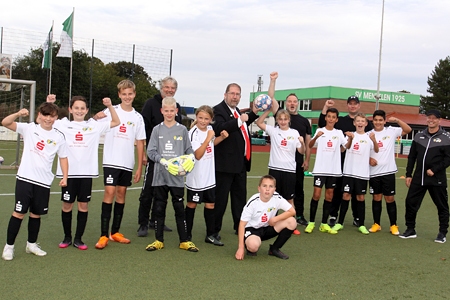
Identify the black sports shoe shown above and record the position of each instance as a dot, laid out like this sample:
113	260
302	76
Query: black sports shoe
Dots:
440	238
277	253
356	222
332	221
301	221
212	240
408	234
142	231
79	244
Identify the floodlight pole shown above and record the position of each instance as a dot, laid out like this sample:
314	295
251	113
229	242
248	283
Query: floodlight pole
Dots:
377	103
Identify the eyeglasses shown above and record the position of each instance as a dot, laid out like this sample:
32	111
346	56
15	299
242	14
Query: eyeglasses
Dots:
234	94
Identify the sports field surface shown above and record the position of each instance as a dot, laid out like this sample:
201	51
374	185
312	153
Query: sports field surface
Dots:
348	265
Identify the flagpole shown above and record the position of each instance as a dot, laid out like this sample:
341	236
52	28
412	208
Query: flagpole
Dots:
51	66
71	58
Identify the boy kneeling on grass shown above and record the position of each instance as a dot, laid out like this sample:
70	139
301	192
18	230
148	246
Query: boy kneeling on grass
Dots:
260	222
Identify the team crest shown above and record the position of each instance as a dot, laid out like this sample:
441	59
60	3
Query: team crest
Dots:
437	140
270	209
177	138
51	142
86	129
290	138
130	123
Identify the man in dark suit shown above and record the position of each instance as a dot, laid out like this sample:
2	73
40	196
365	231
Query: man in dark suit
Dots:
232	156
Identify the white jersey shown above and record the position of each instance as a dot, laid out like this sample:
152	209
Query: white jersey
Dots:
39	149
118	152
283	145
328	157
257	213
356	162
202	176
82	140
385	157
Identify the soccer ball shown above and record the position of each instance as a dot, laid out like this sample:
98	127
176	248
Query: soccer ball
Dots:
263	102
179	162
1	160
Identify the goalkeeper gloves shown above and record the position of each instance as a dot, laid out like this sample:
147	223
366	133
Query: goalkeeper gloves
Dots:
173	169
188	163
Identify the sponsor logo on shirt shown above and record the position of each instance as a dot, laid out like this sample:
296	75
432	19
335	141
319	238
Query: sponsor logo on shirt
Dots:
40	145
264	218
123	128
177	138
283	142
78	137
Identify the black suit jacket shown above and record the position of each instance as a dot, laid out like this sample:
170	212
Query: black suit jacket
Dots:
229	154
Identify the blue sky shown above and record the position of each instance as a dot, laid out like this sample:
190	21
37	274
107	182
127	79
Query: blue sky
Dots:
310	43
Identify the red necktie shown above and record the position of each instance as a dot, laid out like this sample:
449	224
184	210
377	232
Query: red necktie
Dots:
246	138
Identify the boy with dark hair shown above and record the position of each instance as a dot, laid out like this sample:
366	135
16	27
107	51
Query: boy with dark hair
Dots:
356	171
170	140
260	222
383	169
118	161
34	177
327	168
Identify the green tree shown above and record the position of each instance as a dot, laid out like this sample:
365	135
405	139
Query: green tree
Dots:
439	89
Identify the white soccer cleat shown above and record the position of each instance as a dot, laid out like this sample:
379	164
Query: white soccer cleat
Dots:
8	252
35	249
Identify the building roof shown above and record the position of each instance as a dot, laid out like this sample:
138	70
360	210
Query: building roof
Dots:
413	119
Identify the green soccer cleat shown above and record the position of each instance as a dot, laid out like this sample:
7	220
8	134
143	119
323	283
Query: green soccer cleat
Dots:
337	227
326	228
310	227
363	230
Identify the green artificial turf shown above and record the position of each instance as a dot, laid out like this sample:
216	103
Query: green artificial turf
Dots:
348	265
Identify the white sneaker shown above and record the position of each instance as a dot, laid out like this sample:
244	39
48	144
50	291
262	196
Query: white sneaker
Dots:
35	249
8	252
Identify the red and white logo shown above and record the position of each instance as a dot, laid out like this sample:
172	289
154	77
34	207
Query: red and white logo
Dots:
284	143
40	145
78	137
380	144
123	128
208	149
330	144
356	146
264	218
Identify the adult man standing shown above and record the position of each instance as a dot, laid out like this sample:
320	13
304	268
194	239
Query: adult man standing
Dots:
430	153
345	123
232	156
152	117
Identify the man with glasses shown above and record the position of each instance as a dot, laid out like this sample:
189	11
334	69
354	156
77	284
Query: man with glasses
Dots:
232	156
345	123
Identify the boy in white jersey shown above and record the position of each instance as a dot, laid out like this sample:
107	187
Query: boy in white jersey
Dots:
82	139
356	170
327	167
383	169
201	182
260	222
169	140
34	177
118	161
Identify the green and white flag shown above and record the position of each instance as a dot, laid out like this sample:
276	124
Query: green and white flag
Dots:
47	48
66	38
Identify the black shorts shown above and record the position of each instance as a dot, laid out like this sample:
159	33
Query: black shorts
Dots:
206	196
382	185
354	186
31	197
328	181
285	183
79	188
113	177
265	233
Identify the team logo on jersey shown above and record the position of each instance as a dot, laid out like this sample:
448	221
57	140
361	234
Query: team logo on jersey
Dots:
40	145
363	141
129	123
386	137
334	137
123	128
78	137
51	142
437	140
290	138
264	218
177	138
283	142
270	209
86	129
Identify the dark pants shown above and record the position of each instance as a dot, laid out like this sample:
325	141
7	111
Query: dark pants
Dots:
234	184
159	210
414	199
299	196
337	198
146	196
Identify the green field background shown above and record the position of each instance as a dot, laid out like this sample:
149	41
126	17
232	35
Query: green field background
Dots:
348	265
